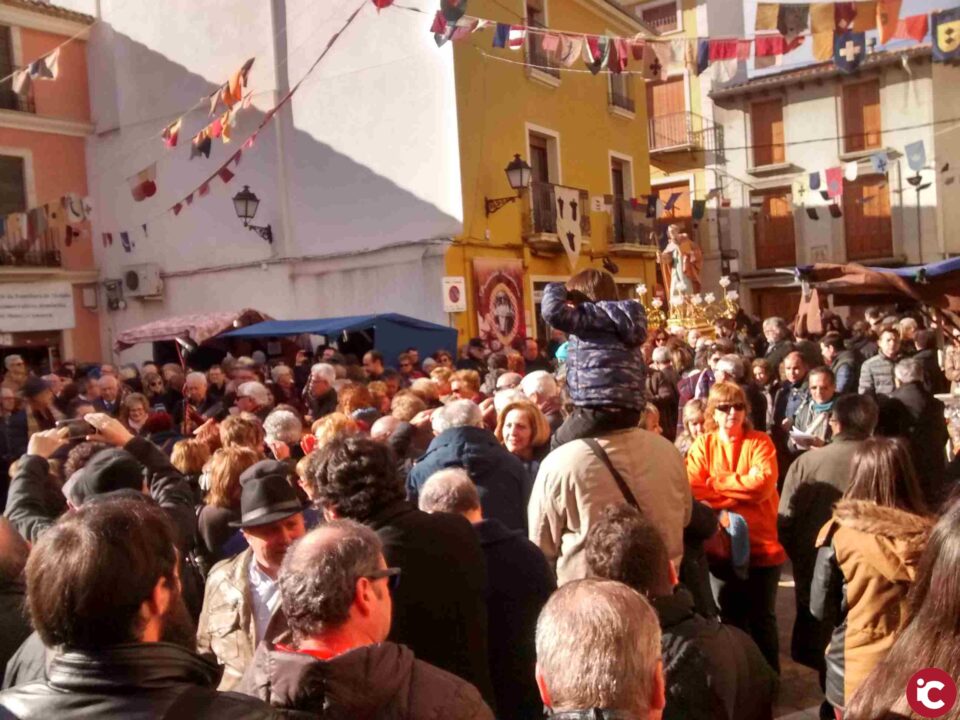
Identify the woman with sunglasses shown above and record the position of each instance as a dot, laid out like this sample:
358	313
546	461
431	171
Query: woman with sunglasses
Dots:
732	467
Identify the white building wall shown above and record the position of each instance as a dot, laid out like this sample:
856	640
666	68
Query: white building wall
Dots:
812	130
359	172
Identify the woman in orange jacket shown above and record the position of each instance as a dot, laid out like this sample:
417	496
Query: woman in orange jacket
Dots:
733	467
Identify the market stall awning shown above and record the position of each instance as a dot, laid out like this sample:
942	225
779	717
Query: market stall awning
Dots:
392	333
195	328
934	284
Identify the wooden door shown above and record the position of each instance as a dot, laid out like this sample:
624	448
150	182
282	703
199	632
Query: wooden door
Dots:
776	302
766	121
861	116
866	218
774	242
667	111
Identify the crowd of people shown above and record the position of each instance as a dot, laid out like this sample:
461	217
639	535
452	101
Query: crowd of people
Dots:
596	528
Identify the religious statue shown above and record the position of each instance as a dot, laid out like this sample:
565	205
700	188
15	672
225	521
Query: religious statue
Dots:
681	263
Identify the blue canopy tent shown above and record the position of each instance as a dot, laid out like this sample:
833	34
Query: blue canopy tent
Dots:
392	333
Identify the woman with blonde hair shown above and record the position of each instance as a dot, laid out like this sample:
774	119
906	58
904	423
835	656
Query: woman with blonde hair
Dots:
733	468
189	457
692	418
330	426
523	430
222	503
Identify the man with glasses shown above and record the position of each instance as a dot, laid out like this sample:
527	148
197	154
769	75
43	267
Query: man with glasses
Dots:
336	591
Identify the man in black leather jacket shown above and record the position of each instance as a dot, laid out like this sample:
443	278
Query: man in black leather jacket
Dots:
102	585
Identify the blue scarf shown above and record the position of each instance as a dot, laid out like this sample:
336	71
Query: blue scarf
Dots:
823	407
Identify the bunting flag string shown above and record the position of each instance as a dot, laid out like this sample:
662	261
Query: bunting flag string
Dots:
44	228
837	30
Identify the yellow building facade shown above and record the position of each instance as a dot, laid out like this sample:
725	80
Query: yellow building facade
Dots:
585	137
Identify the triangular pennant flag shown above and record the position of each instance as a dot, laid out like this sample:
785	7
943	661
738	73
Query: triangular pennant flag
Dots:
596	53
568	216
912	28
866	18
204	189
822	18
189	199
823	45
916	155
834	177
381	4
619	55
638	47
200	145
815	181
215	129
768	50
214	100
888	16
22	81
125	241
171	133
835	211
703	56
879	162
225	174
653	67
851	171
844	13
678	56
849	50
52	64
236	158
500	35
516	36
945	35
177	208
146	234
439	23
550	43
144	184
249	142
812	213
570	48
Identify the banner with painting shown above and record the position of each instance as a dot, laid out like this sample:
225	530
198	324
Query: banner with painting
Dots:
498	284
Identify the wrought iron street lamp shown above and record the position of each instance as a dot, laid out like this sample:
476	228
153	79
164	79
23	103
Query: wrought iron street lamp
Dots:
245	203
519	175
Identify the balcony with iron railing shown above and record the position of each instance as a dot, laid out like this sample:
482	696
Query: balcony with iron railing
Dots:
541	212
629	230
684	131
32	252
539	59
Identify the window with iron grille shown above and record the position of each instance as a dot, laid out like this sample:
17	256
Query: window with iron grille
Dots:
662	17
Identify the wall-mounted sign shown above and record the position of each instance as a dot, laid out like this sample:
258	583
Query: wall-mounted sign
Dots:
454	294
27	307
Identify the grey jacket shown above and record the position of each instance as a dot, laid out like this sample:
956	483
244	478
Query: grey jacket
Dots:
876	375
226	626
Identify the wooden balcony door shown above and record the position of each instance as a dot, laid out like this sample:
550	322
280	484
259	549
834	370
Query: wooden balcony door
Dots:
774	241
776	302
667	111
866	218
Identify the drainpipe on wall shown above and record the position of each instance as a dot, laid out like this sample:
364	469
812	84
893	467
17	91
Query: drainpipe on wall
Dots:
284	120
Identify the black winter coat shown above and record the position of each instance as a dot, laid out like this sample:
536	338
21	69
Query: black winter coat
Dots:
912	413
14	626
519	583
374	682
500	477
438	608
712	670
142	681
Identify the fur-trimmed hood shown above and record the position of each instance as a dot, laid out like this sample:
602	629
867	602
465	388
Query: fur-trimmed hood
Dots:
891	540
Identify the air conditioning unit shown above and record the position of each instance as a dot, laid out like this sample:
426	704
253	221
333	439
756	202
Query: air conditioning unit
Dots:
142	280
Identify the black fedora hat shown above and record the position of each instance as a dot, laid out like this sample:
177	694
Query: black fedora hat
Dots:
266	495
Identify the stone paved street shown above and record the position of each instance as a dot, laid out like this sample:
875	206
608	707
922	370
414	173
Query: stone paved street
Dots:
800	694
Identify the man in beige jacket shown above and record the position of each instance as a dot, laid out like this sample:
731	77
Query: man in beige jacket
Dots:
575	484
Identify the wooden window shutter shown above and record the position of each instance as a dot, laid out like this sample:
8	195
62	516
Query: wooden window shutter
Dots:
861	116
866	218
773	232
767	129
